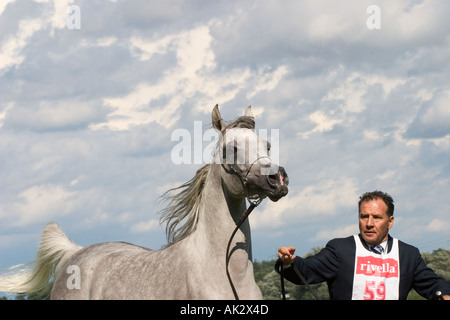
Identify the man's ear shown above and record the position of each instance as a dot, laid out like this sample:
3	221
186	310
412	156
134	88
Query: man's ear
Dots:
391	222
217	120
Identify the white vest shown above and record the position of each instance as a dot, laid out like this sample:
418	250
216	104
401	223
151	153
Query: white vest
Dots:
376	276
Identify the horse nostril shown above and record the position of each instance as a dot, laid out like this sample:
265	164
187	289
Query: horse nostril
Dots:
279	178
273	179
284	176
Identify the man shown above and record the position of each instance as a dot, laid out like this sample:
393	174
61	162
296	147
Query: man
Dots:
371	265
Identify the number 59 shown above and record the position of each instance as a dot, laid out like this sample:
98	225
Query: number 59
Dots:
375	290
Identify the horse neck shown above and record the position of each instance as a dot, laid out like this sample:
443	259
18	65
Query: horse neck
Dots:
218	217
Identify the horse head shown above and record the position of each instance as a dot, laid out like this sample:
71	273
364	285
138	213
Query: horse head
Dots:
248	168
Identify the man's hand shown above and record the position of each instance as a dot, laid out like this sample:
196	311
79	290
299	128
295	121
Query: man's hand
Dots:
288	253
440	296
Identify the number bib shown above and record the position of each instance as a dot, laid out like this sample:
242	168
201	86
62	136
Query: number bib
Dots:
376	276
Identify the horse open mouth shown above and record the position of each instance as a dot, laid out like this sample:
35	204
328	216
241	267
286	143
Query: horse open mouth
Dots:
278	185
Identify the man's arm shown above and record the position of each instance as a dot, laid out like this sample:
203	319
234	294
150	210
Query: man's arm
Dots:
318	268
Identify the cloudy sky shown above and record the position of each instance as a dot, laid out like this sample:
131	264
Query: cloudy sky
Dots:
91	92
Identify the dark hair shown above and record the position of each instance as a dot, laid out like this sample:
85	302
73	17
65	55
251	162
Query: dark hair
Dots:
374	195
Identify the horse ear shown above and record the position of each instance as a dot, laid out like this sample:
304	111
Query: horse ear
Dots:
217	120
248	112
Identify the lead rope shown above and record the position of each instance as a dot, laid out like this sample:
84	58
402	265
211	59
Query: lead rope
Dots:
253	205
299	274
281	269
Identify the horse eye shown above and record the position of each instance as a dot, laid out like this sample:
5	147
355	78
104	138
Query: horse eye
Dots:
229	152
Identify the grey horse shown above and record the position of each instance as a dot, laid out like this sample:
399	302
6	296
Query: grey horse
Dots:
200	217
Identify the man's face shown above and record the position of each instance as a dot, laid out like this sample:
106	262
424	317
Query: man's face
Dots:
374	223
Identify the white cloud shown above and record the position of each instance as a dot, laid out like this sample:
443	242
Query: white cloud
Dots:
194	56
133	109
5	111
106	41
193	76
145	226
3	5
411	21
325	198
433	119
11	49
437	225
54	115
327	25
268	81
145	49
322	122
386	175
371	134
328	234
40	203
350	93
60	13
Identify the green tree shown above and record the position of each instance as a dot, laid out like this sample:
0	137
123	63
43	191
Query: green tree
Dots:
439	261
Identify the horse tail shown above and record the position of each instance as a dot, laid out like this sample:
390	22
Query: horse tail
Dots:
54	251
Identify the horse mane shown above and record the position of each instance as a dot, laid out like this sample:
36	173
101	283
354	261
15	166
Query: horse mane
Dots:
181	214
242	122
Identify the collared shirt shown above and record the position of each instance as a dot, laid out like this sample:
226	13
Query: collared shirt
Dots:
382	246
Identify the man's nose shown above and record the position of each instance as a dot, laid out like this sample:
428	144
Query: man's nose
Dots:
369	222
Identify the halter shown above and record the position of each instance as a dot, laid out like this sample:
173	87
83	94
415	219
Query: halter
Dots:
243	178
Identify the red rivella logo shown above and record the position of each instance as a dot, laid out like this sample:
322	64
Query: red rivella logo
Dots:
377	267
